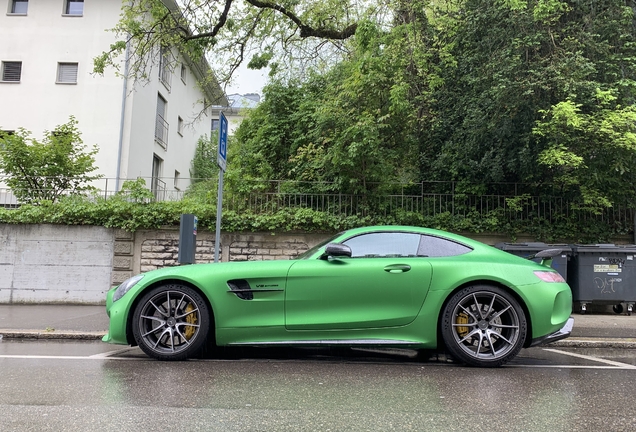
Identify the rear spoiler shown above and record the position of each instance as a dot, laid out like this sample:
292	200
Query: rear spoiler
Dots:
546	256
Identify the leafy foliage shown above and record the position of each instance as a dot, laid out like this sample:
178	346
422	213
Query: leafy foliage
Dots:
261	32
38	171
591	155
122	211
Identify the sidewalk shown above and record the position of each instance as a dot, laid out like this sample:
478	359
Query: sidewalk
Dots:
594	329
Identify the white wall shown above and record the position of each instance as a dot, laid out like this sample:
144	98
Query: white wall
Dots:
44	37
40	40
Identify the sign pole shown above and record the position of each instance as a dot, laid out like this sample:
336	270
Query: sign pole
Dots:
221	160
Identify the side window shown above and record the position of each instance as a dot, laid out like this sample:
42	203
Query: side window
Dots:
384	245
439	247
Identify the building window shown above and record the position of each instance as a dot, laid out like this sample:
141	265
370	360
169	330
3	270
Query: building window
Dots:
19	7
177	174
11	71
164	67
215	125
180	126
184	73
67	73
74	7
157	185
161	125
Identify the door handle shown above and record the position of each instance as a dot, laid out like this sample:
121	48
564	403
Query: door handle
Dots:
397	268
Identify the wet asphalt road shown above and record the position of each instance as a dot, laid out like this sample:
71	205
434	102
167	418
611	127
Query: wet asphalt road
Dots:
81	386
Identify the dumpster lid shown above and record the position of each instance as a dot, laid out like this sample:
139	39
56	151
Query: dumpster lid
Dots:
604	247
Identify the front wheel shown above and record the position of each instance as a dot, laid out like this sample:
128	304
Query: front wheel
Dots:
483	326
171	322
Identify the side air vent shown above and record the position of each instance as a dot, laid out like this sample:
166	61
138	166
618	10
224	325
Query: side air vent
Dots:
241	288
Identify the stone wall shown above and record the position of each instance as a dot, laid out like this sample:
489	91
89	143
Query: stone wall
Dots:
160	248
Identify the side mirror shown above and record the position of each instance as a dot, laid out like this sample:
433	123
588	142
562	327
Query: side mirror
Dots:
337	250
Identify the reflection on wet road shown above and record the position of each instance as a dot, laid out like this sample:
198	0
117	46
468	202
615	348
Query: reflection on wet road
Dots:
89	386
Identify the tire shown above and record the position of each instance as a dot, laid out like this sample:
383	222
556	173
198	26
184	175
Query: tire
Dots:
483	326
171	322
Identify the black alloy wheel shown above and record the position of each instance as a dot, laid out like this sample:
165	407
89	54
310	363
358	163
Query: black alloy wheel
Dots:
171	322
483	326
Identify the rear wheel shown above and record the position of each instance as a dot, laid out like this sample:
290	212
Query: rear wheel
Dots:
171	322
483	326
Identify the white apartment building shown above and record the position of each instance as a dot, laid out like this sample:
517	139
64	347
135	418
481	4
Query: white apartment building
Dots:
147	130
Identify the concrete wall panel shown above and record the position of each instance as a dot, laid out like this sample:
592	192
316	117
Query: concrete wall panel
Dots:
55	263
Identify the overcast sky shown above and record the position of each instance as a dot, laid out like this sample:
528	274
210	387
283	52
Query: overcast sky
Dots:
248	81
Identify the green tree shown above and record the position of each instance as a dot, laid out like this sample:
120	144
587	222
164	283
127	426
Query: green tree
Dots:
204	166
504	62
352	126
44	170
592	155
260	32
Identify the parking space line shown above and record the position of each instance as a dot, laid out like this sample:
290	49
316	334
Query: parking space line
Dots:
109	354
595	359
45	357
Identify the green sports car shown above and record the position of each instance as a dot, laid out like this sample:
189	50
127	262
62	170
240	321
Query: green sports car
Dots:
382	286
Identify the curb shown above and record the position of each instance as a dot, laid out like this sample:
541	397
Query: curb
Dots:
51	335
623	343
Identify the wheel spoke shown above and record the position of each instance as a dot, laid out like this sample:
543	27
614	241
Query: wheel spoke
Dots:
159	310
153	318
469	313
491	343
478	307
181	336
161	336
168	303
469	336
498	314
464	325
490	307
504	326
186	314
178	306
481	340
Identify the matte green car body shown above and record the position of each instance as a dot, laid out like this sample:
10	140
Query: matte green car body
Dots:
352	301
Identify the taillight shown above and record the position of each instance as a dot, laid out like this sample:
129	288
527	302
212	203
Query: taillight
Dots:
548	276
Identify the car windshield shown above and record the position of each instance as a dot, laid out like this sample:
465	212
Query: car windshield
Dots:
313	250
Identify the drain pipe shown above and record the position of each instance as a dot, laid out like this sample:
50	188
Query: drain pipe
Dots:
123	114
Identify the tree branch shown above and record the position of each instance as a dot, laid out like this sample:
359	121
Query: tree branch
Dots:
305	30
219	25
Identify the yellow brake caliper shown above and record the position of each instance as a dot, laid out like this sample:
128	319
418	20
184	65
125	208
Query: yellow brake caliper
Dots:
462	318
191	318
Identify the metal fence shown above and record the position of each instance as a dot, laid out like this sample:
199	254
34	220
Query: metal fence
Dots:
515	201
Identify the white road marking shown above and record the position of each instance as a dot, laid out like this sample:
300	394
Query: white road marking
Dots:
45	357
111	353
596	359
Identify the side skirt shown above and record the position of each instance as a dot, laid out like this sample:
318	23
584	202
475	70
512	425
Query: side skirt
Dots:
349	342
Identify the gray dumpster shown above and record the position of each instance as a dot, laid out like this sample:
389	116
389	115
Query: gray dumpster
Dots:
525	250
603	274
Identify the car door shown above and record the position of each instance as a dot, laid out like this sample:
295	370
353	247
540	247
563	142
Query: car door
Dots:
383	284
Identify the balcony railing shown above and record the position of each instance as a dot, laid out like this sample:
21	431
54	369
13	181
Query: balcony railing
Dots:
161	132
158	188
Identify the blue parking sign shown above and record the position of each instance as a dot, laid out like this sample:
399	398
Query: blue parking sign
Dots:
221	158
